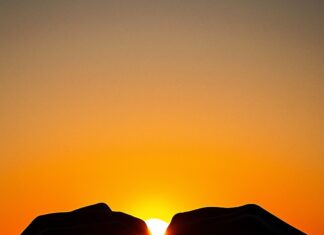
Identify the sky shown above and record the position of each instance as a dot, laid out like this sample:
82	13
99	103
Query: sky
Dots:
158	107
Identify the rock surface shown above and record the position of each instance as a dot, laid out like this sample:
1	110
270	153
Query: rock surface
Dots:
245	220
97	219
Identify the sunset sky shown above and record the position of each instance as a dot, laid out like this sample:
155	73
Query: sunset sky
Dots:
157	107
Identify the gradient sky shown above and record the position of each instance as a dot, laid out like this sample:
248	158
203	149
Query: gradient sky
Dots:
157	107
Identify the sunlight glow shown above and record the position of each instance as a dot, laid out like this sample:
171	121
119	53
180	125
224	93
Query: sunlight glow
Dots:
156	226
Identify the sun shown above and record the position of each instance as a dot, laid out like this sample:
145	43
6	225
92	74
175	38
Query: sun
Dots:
156	226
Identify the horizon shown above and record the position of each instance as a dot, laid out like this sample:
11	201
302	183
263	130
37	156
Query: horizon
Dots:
158	107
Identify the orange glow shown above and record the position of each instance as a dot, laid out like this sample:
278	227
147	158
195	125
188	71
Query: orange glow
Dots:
160	107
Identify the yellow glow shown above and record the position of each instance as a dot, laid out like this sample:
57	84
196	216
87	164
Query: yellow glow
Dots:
139	104
157	226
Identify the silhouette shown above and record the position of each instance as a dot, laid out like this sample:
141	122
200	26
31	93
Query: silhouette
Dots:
245	220
99	219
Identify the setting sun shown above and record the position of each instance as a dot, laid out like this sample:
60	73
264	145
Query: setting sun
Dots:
161	107
157	226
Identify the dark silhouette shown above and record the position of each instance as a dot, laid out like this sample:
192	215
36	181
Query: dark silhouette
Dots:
99	219
245	220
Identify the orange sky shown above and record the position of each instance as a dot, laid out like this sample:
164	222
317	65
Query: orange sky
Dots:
157	108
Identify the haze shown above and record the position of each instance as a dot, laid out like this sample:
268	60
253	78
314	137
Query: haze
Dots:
157	107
